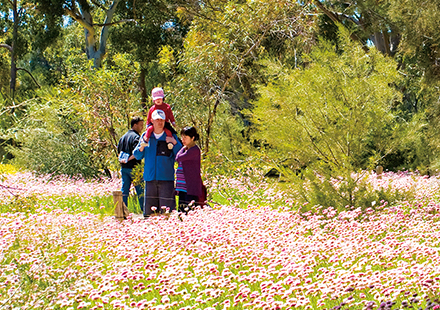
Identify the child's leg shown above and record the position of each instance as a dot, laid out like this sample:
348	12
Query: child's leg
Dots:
148	133
168	132
170	128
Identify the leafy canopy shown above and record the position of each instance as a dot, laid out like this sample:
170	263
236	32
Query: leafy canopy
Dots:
334	116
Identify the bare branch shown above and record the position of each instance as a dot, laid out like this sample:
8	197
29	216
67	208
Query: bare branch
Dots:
6	46
114	23
79	19
99	5
134	9
25	70
336	20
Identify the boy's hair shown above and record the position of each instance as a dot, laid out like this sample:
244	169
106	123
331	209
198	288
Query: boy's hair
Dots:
190	132
135	120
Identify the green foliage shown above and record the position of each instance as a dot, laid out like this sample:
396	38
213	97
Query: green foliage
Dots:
144	38
53	137
76	204
208	58
107	99
26	205
345	191
75	129
227	134
241	183
217	66
420	35
334	116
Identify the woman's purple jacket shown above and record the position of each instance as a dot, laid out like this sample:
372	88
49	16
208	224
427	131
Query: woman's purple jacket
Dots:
190	161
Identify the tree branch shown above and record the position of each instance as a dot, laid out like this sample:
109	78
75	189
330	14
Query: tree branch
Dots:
213	113
99	5
30	75
134	9
114	23
79	19
6	46
336	20
198	14
8	188
105	30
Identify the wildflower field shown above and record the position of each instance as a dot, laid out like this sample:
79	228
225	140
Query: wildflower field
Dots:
60	248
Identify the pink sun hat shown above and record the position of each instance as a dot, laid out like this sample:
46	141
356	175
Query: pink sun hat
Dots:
157	93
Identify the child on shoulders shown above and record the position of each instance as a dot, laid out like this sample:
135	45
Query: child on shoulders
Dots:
157	95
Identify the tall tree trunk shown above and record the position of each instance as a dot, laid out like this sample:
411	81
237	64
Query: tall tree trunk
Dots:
143	90
378	40
13	82
94	52
336	20
105	32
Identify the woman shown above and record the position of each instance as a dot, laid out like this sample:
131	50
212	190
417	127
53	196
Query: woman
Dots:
188	178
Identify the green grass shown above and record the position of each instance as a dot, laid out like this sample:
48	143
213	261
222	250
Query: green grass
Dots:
75	204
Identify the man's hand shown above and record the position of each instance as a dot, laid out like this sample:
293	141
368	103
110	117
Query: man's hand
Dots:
171	140
143	145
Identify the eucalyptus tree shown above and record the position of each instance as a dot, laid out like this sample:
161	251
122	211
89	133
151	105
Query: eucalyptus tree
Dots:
419	23
408	31
96	17
394	27
156	26
367	21
23	29
219	61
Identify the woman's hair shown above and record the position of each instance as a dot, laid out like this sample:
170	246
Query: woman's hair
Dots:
190	132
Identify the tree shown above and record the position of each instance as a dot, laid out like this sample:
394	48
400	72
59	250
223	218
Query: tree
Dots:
334	116
156	26
24	27
225	38
78	124
81	11
366	21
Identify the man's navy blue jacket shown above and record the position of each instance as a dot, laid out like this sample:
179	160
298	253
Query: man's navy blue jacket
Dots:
127	144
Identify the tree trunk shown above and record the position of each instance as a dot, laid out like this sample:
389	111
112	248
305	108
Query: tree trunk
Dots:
92	51
336	20
143	90
13	82
394	41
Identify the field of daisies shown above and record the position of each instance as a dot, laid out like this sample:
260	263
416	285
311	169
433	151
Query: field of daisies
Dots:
61	248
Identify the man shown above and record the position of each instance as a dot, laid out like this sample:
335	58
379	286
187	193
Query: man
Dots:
158	166
127	144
